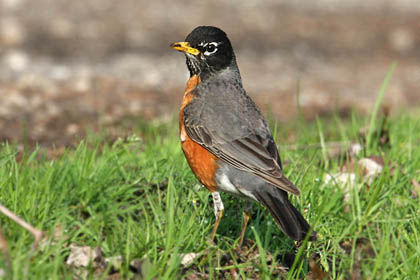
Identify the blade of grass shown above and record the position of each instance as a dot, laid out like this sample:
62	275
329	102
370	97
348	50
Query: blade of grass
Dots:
322	141
379	99
262	253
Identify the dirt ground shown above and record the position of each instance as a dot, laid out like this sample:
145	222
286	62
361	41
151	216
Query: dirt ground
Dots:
69	65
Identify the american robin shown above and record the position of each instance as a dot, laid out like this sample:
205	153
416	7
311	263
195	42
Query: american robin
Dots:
225	137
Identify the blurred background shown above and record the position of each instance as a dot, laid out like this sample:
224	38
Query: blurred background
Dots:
66	66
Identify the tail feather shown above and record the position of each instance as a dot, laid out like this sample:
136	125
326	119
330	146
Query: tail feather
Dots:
285	214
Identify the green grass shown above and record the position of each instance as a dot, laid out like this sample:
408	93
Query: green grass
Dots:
138	199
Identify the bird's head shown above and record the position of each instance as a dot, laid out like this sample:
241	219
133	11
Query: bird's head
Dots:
207	49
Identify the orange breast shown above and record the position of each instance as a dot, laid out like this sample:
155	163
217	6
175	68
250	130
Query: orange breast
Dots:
202	162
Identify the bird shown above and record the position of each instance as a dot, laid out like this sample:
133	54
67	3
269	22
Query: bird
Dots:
226	139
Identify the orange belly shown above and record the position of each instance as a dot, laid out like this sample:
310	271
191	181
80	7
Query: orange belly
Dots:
202	162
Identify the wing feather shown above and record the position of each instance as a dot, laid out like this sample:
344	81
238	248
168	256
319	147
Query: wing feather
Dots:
248	153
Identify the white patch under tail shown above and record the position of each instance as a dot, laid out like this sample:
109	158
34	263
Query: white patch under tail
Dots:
227	186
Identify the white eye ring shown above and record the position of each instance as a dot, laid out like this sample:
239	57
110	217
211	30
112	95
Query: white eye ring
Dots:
213	48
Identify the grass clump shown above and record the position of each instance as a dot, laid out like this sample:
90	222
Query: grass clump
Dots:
136	199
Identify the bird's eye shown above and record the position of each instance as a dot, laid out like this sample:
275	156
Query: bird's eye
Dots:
210	48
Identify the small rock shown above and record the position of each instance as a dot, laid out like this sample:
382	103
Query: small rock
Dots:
82	255
415	192
141	267
60	72
355	149
343	179
18	100
11	32
402	39
12	4
82	84
16	60
371	168
72	129
115	262
189	258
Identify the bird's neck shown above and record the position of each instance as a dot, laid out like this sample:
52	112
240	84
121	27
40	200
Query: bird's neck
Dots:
231	73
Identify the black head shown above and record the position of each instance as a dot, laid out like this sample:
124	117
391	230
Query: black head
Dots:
207	49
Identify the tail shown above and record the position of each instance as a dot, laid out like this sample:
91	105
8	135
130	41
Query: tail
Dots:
285	214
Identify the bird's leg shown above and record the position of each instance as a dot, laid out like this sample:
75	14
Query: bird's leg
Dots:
247	215
218	211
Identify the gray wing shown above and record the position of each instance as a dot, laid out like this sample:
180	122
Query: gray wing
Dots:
236	132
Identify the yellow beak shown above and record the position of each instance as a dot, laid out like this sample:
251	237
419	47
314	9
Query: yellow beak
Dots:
185	48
